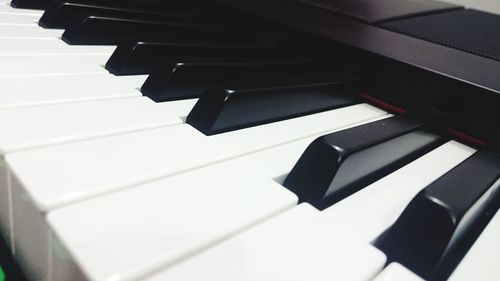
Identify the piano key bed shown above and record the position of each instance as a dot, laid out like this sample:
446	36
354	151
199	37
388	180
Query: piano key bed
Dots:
189	141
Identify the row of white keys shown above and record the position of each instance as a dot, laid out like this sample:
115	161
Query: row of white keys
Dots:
288	247
45	71
7	9
122	161
49	46
36	65
23	91
30	127
27	30
267	251
164	221
481	262
18	18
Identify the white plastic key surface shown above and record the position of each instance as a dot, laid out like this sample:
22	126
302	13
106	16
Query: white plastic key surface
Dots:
370	211
126	160
49	46
164	221
397	272
13	66
27	31
29	127
7	9
25	91
482	262
120	161
288	247
18	19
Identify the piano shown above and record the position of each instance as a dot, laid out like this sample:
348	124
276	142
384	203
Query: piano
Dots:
249	140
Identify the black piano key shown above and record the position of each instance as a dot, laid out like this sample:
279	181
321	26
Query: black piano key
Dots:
131	58
221	110
184	79
441	223
59	14
339	164
106	30
30	4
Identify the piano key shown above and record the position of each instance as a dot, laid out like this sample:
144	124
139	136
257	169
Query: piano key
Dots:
27	31
60	13
174	229
13	66
347	222
55	89
8	9
286	247
192	148
104	30
184	78
443	220
30	4
140	57
36	126
222	110
63	220
369	212
122	161
481	262
53	46
18	19
337	165
397	272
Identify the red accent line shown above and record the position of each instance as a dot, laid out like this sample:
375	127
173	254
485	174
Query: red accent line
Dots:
466	138
382	104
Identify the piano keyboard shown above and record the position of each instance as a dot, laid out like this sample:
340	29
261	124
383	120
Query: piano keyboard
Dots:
219	157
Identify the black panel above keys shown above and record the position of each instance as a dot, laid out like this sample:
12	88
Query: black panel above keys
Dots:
221	110
468	30
442	222
184	79
102	30
131	58
60	14
339	164
371	11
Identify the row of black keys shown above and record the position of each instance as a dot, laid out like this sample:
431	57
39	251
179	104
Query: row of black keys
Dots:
266	89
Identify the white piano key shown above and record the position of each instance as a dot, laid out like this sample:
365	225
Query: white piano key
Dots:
27	31
164	221
47	178
397	272
153	154
370	211
287	247
18	19
52	89
482	260
29	127
7	9
49	46
13	66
